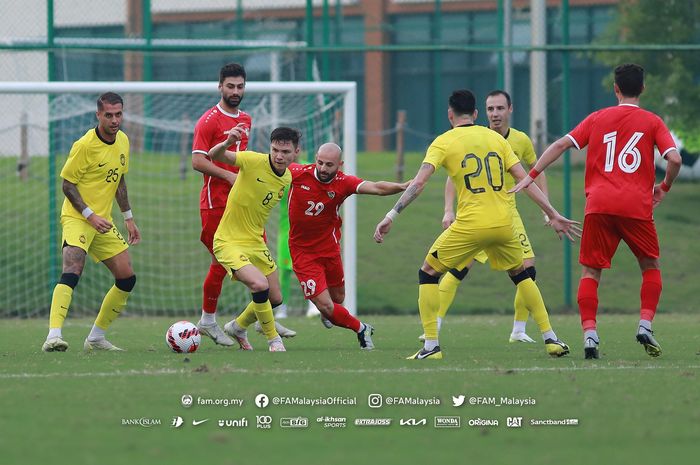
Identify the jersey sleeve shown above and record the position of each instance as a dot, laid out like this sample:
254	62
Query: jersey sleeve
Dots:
352	183
581	133
509	157
529	155
203	130
663	138
435	154
248	160
76	164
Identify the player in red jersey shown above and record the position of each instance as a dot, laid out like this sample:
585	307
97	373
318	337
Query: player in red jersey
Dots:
315	196
620	195
218	179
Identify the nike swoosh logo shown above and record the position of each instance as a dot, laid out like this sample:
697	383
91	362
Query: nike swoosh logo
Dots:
265	322
195	422
259	180
422	355
102	164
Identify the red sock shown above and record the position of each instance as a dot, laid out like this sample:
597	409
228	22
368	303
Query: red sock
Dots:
212	287
588	302
650	293
341	317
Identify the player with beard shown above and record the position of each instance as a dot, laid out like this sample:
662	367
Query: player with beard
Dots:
317	192
209	131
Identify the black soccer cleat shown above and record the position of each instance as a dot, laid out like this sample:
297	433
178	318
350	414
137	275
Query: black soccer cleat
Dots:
646	338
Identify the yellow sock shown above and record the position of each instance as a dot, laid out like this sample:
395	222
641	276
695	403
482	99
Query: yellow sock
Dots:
112	305
428	306
266	318
60	301
520	307
247	316
448	289
534	303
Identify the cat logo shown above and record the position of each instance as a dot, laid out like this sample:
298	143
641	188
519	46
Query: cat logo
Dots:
122	159
331	194
82	239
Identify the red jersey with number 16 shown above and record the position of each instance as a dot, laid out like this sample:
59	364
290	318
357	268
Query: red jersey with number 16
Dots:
208	132
314	210
620	159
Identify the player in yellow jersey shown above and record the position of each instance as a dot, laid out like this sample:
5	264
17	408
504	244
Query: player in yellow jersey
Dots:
476	158
93	177
238	243
498	111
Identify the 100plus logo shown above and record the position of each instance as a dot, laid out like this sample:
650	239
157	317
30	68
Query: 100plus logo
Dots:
263	421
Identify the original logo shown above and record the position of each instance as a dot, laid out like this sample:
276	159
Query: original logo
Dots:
186	401
514	422
448	422
457	401
375	400
413	422
331	194
122	159
238	423
295	422
262	401
177	422
263	421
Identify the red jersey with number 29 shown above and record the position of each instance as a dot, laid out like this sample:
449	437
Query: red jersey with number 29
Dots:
314	210
620	160
208	132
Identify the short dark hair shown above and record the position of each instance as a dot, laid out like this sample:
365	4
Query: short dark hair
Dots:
284	134
462	102
231	70
109	97
493	93
630	79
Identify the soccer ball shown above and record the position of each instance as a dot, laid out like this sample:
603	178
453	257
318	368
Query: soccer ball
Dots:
183	336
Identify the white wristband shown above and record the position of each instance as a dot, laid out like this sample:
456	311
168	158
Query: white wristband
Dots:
127	215
87	212
392	214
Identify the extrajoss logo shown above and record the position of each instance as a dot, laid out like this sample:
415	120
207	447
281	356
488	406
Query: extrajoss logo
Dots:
262	401
186	401
458	401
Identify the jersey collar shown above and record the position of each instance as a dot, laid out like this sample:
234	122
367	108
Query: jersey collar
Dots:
627	105
236	115
323	182
99	136
272	167
465	125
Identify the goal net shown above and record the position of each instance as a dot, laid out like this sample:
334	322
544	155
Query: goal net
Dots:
40	122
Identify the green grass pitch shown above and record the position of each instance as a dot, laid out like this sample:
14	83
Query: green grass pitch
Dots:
67	408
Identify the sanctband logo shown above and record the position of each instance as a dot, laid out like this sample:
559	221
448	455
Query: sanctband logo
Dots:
295	422
413	422
448	422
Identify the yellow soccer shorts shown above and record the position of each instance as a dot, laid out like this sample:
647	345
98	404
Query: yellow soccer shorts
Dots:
235	255
80	233
457	246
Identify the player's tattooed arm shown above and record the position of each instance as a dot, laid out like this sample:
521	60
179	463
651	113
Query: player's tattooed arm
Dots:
415	188
122	195
70	190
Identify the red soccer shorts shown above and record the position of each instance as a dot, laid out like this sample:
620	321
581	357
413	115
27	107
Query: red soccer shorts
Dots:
210	221
602	234
316	274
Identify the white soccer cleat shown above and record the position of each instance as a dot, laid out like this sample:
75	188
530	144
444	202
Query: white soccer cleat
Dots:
364	337
326	322
520	337
281	330
55	344
239	334
214	332
277	346
100	344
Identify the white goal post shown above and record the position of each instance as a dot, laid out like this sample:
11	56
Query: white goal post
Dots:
16	96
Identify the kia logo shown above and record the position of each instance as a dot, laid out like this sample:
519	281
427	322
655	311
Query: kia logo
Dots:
413	422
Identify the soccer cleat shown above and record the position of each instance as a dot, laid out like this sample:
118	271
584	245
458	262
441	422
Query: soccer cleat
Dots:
55	344
281	330
520	337
421	338
277	346
239	334
326	322
590	348
435	354
646	338
214	332
100	344
556	348
365	337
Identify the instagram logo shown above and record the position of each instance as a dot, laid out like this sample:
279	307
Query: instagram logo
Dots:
375	400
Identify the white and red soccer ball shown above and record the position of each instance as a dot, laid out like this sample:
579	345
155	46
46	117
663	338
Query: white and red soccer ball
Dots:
183	337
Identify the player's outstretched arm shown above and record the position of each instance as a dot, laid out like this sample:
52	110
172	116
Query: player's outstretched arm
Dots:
202	164
672	169
563	226
219	152
450	195
410	194
122	197
382	187
552	153
71	192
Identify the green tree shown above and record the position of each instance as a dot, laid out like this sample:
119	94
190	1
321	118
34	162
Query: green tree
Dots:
673	77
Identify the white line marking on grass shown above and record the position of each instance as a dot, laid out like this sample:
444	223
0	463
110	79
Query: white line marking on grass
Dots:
170	371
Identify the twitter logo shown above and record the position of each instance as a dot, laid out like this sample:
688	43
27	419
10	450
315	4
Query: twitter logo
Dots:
457	401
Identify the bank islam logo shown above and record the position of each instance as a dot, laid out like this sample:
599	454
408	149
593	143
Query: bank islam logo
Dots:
514	422
263	421
458	401
186	401
177	422
262	401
